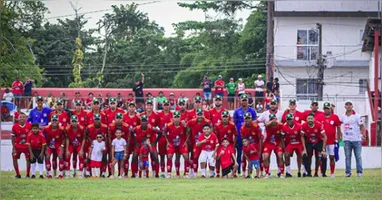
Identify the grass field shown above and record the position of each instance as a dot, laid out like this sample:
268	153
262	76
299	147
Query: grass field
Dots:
340	188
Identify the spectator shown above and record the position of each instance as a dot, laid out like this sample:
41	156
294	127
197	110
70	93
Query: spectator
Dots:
205	106
259	107
17	87
240	87
89	101
77	97
268	101
64	99
32	104
149	95
120	101
160	99
276	88
207	84
5	113
28	91
219	86
49	100
231	89
130	98
184	98
172	101
8	96
269	86
259	88
106	104
138	90
250	99
101	101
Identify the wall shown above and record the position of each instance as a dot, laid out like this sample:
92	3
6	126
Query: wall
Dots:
361	5
371	69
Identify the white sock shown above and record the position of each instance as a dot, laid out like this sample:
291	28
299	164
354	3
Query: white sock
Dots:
33	168
67	174
288	169
61	173
48	173
88	173
212	173
204	172
41	168
278	170
98	170
103	173
93	171
80	173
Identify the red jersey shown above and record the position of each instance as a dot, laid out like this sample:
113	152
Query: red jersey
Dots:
196	129
274	134
63	117
219	86
251	156
298	116
192	114
88	101
133	121
20	133
17	87
36	140
318	116
228	131
330	126
216	116
164	118
90	117
130	99
16	114
144	151
226	157
54	138
93	131
153	119
110	115
183	116
172	101
125	128
176	134
253	133
292	135
313	134
139	134
211	144
75	136
82	117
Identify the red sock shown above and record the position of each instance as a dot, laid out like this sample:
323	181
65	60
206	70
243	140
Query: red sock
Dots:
126	167
218	168
261	165
321	168
81	159
169	166
244	164
315	170
266	169
147	173
195	165
17	170
281	169
67	164
48	166
186	167
62	165
177	166
134	168
28	169
332	167
140	174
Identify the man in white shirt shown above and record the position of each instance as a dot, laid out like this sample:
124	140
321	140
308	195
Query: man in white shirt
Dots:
8	96
353	134
259	88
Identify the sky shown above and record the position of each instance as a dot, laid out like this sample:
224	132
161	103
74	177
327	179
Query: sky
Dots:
165	12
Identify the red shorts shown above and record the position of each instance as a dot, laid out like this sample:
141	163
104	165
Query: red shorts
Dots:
290	148
162	146
95	164
19	151
72	149
196	151
177	149
56	151
269	147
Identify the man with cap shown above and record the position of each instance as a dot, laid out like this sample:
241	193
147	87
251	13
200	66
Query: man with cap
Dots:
55	138
273	143
315	139
264	117
95	109
197	105
63	116
18	90
77	97
332	127
125	129
91	132
182	108
19	134
298	116
318	115
112	111
231	90
75	143
216	112
195	129
165	117
219	86
252	131
146	130
225	129
354	134
133	119
80	113
138	90
39	114
160	99
238	119
172	101
177	139
259	88
294	139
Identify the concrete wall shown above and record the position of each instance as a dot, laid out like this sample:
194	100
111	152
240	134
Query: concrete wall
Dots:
360	5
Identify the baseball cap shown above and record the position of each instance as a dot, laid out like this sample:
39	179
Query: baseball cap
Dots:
149	101
131	103
119	115
220	76
244	97
225	113
39	98
327	105
288	117
314	102
144	118
274	101
292	101
218	97
166	102
247	115
95	100
59	102
348	102
231	79
97	116
78	102
182	101
198	98
199	110
54	117
176	114
272	116
171	94
112	99
74	118
259	76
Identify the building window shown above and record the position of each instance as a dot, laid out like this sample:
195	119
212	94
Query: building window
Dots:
307	44
306	89
362	86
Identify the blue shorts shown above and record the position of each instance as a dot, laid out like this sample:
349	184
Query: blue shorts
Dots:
145	165
207	95
254	164
119	155
220	94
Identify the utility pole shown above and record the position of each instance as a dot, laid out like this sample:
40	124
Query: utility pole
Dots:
77	18
270	43
321	65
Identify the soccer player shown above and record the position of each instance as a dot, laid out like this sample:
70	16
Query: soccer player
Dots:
252	132
97	152
112	111
315	140
125	129
225	129
75	142
251	152
195	129
165	117
80	113
177	139
197	104
298	116
183	111
39	114
264	117
95	109
36	145
63	116
20	131
208	142
216	112
332	127
55	137
119	153
144	152
272	142
318	115
133	120
292	132
92	131
238	119
227	158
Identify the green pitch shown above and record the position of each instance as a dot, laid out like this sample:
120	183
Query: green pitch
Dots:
340	188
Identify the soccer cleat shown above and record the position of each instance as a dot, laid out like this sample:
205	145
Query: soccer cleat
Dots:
203	176
278	174
133	176
332	176
33	176
359	175
315	175
218	176
103	176
80	177
299	174
111	177
17	176
282	176
348	175
186	176
212	176
60	177
267	176
288	175
168	176
162	176
256	177
49	176
247	177
87	176
27	177
120	177
324	175
235	176
157	176
41	177
177	176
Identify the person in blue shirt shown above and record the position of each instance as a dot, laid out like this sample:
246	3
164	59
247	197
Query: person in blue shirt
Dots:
238	118
40	114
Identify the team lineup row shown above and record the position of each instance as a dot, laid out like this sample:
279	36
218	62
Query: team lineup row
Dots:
103	139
